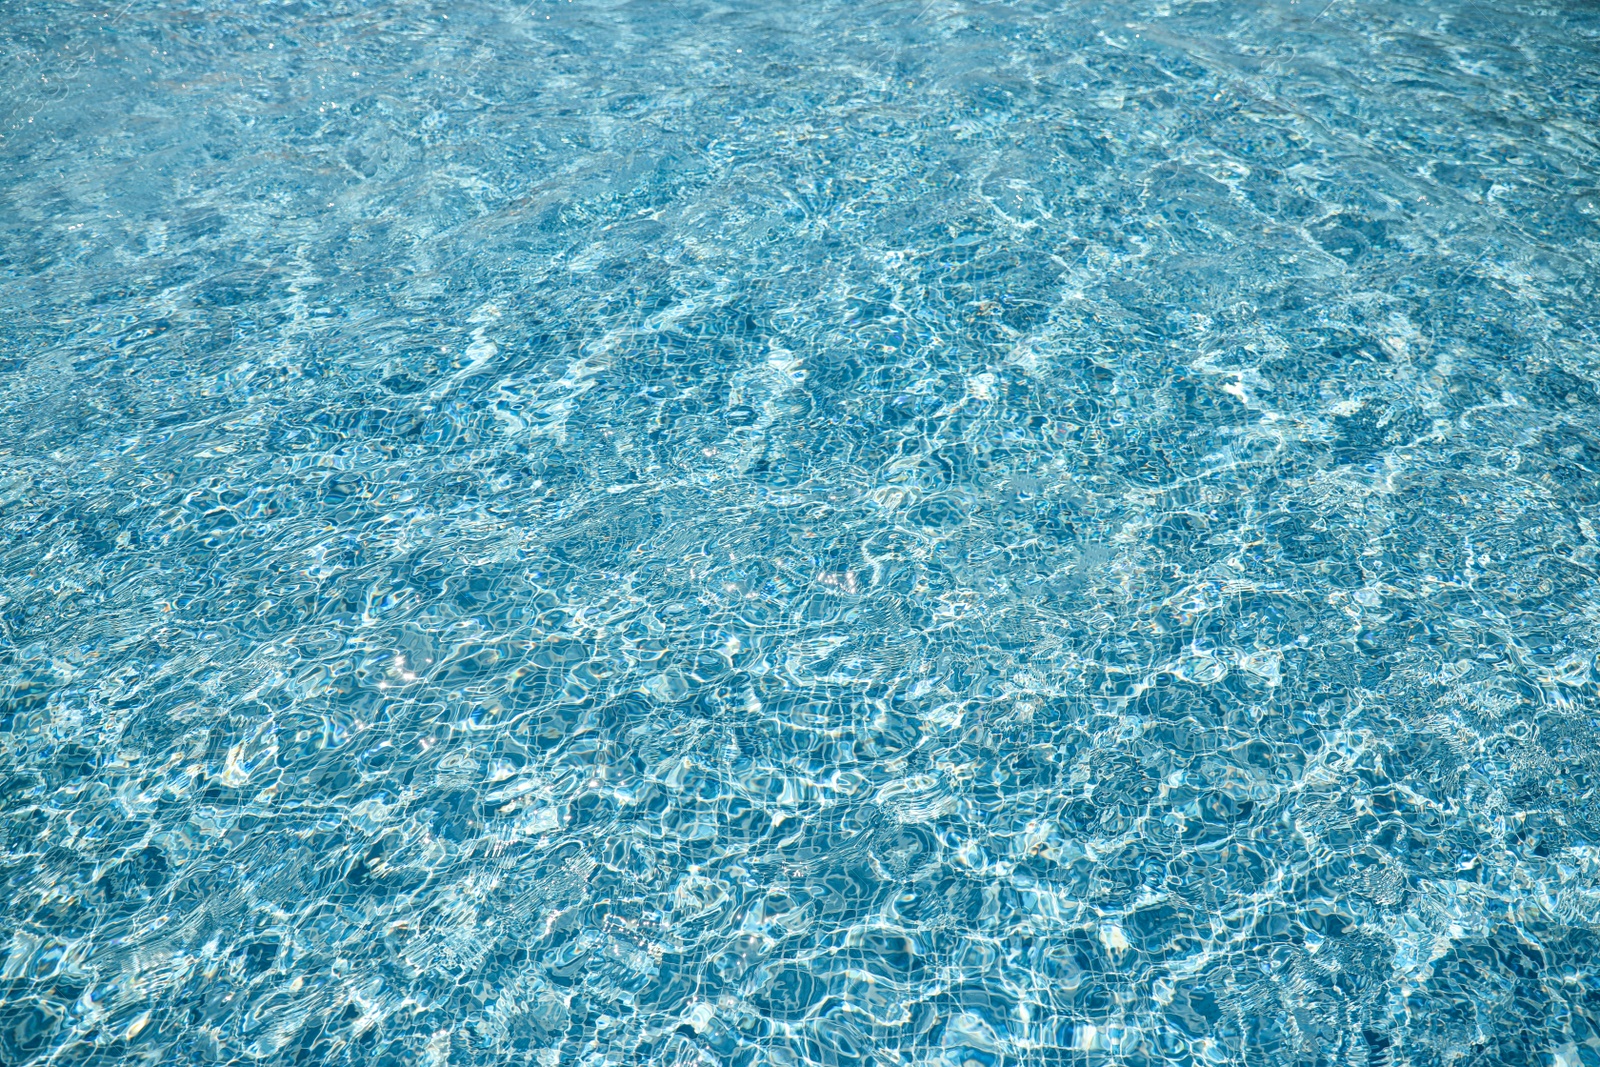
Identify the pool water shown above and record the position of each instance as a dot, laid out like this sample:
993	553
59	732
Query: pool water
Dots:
748	533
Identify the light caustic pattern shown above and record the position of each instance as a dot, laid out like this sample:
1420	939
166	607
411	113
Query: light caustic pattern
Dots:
929	533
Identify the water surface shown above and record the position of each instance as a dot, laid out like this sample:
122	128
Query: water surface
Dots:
752	533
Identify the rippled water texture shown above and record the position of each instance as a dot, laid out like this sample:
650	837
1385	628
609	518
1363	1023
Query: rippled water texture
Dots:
812	534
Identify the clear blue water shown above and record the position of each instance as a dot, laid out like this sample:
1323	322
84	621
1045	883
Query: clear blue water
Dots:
939	533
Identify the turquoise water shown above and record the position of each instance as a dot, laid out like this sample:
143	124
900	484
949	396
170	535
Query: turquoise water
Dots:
943	533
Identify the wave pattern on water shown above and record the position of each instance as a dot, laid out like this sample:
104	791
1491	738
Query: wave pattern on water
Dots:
941	532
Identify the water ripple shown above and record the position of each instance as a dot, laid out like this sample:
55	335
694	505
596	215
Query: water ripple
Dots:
952	533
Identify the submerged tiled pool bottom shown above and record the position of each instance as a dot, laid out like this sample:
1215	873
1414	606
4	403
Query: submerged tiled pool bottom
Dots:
928	534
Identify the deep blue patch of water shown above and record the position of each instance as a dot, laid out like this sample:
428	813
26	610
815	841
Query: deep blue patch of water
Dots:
928	533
